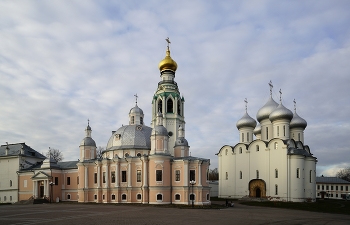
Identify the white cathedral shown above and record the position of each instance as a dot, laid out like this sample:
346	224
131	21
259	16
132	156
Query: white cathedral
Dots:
276	165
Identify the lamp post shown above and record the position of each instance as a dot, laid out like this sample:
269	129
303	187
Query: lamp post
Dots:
192	182
51	193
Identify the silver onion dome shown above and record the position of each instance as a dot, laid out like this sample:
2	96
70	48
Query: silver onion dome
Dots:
136	109
281	112
88	141
181	141
266	110
160	130
130	136
297	121
246	121
257	130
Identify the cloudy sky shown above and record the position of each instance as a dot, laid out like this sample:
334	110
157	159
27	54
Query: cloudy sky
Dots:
64	61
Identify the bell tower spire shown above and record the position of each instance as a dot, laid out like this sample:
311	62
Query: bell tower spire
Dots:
167	99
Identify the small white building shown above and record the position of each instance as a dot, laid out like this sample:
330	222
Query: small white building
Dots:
332	187
276	164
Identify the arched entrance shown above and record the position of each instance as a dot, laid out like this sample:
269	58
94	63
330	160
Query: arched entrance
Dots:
257	188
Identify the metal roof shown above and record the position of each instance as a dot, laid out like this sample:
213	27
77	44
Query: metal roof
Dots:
331	180
15	150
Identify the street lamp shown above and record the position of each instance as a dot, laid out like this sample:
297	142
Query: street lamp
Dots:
192	182
51	194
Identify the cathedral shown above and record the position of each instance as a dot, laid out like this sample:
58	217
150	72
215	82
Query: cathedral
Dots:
141	164
275	165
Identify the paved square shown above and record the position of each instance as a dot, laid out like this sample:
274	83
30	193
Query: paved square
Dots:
129	214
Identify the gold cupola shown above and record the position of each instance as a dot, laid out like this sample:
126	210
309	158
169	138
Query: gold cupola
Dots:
167	63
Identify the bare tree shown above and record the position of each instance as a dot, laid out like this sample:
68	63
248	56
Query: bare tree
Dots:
99	151
55	154
344	174
214	174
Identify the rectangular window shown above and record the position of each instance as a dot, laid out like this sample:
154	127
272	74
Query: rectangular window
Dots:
332	188
327	187
113	176
104	177
192	175
298	173
138	176
113	197
276	189
177	175
284	130
310	176
257	174
226	175
336	188
95	178
240	175
124	176
242	137
68	180
276	173
341	188
278	131
318	187
347	188
323	187
247	136
159	175
56	180
25	183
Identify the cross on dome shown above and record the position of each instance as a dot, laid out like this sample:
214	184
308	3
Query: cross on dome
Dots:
136	97
280	95
271	86
295	105
167	40
246	104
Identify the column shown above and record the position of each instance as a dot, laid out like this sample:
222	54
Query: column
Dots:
86	177
199	174
116	174
186	174
107	175
34	189
45	188
98	176
129	174
145	180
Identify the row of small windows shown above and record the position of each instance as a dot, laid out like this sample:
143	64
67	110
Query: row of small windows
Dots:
5	198
169	106
332	187
159	197
159	176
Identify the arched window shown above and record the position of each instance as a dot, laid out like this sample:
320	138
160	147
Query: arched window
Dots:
132	120
276	173
10	183
248	136
278	131
267	133
124	197
257	148
276	145
179	107
170	106
284	130
113	197
240	150
160	106
208	197
68	196
257	174
276	189
141	120
159	197
177	197
226	175
138	196
298	136
138	154
310	176
240	175
192	197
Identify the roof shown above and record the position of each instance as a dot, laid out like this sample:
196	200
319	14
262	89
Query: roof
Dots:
15	150
331	180
68	165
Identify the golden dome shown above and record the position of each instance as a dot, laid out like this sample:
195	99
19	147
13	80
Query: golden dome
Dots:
167	63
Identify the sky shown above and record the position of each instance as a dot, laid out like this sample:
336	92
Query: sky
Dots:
63	62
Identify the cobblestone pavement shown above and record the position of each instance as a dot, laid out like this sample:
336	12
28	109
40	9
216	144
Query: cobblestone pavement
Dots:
129	214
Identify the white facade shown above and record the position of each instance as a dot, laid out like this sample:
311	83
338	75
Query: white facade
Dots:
274	166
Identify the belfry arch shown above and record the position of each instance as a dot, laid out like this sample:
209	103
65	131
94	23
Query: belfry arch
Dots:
257	188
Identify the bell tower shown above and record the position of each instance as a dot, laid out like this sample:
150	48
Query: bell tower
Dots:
168	101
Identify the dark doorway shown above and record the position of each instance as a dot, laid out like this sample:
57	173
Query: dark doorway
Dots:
258	193
41	194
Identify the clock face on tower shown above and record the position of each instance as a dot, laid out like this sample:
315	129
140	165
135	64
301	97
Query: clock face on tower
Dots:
170	133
